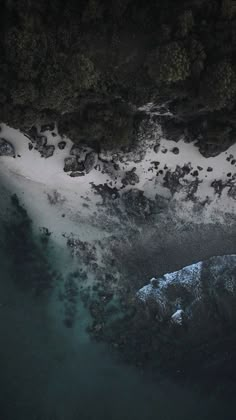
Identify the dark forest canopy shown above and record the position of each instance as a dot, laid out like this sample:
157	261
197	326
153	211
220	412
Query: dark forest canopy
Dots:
89	64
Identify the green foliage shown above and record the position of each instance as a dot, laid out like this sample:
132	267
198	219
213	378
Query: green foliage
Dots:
228	9
26	50
24	93
82	72
109	124
170	64
219	86
64	78
93	11
197	56
185	23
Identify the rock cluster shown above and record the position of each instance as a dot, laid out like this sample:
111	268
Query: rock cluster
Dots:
77	165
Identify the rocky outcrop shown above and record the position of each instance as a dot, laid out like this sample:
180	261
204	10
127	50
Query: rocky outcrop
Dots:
182	323
204	292
185	319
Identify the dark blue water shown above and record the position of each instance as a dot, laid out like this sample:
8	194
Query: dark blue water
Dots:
51	372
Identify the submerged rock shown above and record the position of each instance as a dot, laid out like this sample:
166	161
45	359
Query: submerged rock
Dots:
130	178
232	192
137	204
6	148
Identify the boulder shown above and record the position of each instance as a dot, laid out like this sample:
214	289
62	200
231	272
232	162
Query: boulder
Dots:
130	178
61	145
205	292
70	164
90	161
6	148
47	151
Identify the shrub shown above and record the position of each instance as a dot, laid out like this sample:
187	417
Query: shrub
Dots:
170	64
219	86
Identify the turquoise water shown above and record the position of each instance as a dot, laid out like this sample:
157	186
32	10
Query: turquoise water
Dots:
51	372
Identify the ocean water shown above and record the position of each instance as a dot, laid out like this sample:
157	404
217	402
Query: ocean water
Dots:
51	372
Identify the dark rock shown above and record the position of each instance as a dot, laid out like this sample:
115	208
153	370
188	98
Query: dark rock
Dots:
75	150
172	129
232	192
106	192
41	142
30	146
175	150
47	127
209	169
32	133
186	169
191	189
70	164
154	282
213	150
76	174
81	166
156	164
172	179
90	161
6	148
130	178
62	145
47	151
218	186
137	205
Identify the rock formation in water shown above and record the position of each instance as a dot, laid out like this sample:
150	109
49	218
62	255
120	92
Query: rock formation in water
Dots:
182	322
89	66
201	295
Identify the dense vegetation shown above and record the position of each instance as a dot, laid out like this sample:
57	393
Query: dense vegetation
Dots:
96	61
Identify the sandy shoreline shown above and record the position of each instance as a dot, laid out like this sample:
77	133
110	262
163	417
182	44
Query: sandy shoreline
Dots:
202	224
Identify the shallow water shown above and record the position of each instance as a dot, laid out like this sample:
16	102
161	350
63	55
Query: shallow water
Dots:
51	372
